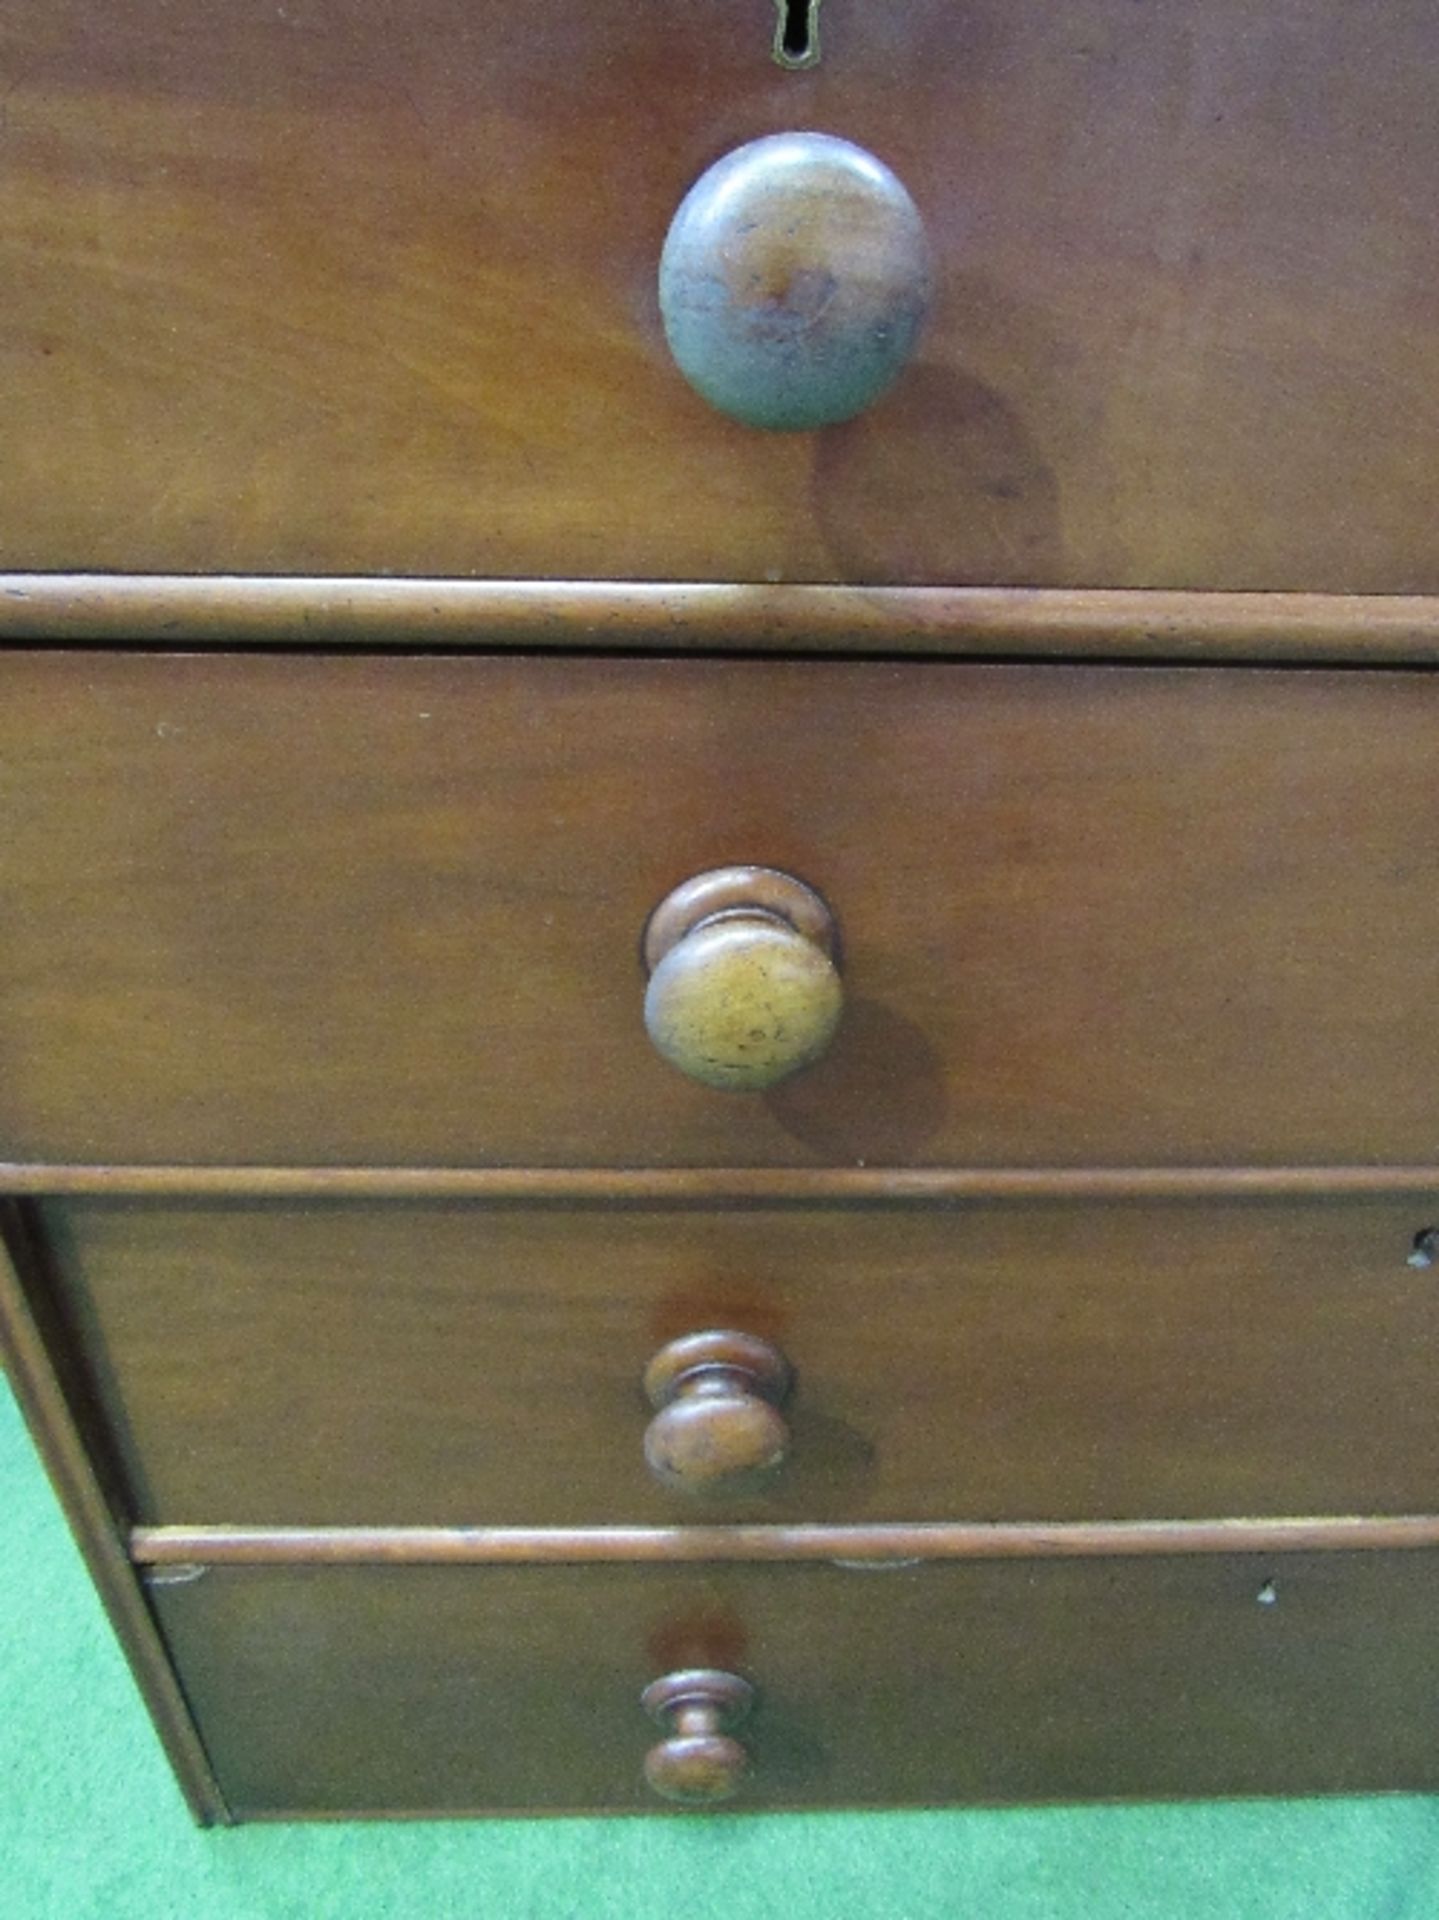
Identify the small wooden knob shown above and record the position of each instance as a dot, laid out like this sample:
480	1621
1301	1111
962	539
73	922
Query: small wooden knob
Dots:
718	1428
743	987
697	1763
794	281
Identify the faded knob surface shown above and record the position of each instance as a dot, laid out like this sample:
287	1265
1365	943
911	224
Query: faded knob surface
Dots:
743	987
794	281
697	1763
718	1428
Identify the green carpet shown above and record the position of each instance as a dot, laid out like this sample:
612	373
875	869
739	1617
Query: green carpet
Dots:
91	1824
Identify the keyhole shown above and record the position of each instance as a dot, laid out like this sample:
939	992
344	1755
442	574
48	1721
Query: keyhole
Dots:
796	38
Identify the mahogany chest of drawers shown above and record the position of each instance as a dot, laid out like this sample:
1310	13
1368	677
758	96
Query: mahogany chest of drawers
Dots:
719	892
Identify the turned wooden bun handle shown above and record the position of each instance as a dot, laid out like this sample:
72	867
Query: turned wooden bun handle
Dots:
743	988
697	1763
794	281
718	1428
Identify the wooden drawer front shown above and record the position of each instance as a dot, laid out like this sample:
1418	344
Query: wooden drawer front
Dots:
387	910
359	288
393	1366
454	1688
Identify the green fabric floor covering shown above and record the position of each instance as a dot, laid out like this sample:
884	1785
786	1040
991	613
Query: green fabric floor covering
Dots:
92	1825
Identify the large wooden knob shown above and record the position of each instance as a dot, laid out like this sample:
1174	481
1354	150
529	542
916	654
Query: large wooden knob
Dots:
697	1763
718	1428
743	987
794	281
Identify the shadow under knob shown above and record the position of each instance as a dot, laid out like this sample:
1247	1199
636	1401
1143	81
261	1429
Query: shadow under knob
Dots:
743	988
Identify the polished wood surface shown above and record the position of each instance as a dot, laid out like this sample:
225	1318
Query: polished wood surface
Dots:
450	1365
358	288
453	1688
883	1545
728	1186
381	1297
386	910
643	616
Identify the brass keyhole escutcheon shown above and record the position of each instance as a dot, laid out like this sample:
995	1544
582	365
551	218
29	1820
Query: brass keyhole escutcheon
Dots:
796	34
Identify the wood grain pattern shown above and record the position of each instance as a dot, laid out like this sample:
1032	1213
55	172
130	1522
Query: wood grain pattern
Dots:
466	1688
46	1373
378	1365
386	910
192	611
352	288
